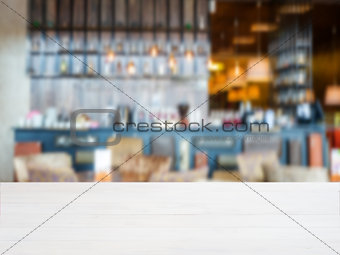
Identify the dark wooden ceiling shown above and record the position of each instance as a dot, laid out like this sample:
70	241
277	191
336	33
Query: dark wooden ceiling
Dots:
324	14
222	24
324	18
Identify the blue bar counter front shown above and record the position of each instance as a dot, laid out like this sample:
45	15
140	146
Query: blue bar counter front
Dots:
48	137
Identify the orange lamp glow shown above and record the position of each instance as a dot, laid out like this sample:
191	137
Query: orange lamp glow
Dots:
332	95
154	51
253	92
172	63
110	57
232	96
189	55
131	68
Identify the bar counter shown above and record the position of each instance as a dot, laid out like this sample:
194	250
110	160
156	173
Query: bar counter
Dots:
213	143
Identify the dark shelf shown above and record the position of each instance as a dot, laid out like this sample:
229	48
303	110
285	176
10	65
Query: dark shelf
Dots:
286	87
284	49
291	67
286	105
116	29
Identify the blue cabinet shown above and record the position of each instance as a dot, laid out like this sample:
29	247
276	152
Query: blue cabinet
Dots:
212	143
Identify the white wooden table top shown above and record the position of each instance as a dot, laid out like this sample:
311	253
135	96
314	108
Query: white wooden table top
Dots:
170	218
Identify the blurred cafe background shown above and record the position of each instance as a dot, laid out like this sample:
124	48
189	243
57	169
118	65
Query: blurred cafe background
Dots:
232	63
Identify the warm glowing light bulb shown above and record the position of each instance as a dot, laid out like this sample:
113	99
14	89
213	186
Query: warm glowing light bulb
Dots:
189	55
154	51
237	70
172	62
210	63
131	68
214	66
110	57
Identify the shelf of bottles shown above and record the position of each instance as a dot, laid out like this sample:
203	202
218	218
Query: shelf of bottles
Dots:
293	62
118	38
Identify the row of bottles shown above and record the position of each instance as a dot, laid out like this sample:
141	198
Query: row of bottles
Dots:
119	52
292	59
141	13
293	96
120	44
118	56
110	65
293	77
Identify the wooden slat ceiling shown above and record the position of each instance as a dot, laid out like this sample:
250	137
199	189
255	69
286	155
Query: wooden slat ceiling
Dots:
222	24
222	29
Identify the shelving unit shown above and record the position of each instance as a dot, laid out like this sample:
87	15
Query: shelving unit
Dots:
118	38
293	65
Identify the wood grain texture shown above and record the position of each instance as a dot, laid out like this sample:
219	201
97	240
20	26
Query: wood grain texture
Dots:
176	218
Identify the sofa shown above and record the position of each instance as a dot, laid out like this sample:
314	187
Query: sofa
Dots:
44	167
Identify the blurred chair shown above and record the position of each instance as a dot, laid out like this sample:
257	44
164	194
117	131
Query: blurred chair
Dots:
45	167
295	174
199	174
27	148
127	147
250	165
120	153
226	176
154	168
139	168
260	167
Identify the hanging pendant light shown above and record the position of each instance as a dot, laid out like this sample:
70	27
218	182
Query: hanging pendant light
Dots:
215	66
131	68
332	96
172	62
154	51
263	27
259	68
243	40
189	55
110	56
